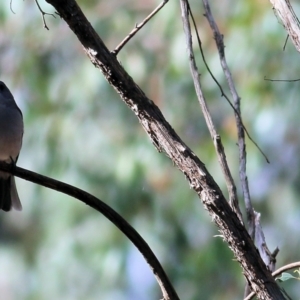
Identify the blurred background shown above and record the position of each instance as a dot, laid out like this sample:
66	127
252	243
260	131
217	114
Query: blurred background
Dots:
77	130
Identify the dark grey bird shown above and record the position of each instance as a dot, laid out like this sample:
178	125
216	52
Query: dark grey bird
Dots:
11	134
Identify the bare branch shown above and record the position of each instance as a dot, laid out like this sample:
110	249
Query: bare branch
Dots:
223	94
209	122
268	257
138	27
108	212
241	137
285	42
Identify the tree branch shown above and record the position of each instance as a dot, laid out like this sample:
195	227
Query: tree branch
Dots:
253	218
165	139
161	277
236	100
233	199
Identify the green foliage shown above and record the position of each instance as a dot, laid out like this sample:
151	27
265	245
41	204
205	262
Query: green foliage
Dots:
287	276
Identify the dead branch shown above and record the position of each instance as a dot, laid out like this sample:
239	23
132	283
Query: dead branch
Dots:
233	199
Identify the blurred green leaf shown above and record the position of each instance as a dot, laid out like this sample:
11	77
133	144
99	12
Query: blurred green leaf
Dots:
286	276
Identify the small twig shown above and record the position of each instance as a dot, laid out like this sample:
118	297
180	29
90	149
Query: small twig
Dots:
281	80
43	14
268	257
241	134
138	27
277	273
287	37
108	212
185	10
10	5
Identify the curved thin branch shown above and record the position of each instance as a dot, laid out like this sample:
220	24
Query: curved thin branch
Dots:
281	80
286	268
223	94
10	6
161	277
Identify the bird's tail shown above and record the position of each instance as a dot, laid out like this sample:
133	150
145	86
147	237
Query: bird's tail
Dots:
15	200
8	194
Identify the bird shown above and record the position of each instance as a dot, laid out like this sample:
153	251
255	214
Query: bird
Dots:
11	136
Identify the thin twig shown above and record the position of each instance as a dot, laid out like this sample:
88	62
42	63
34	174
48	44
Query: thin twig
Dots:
253	218
281	80
43	14
223	94
10	5
287	37
241	136
215	137
138	27
268	257
108	212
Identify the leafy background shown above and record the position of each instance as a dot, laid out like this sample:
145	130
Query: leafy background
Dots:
77	130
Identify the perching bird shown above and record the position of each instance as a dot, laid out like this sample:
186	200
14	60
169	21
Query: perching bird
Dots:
11	133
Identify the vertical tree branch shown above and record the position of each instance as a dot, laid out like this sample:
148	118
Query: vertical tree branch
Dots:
233	199
236	101
253	219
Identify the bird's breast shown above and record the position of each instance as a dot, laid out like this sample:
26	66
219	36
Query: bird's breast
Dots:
11	133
